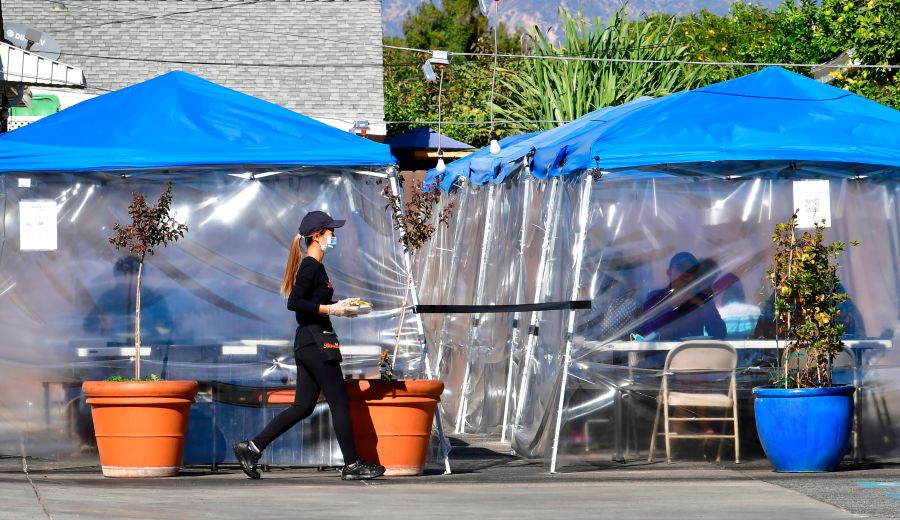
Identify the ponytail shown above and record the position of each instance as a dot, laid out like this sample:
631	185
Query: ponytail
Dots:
293	264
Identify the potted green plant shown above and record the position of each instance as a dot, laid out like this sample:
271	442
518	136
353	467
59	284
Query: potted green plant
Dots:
392	417
804	420
141	424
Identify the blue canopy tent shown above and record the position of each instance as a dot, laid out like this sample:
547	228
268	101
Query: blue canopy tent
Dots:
245	172
179	119
417	149
772	115
769	116
480	161
542	151
425	138
710	171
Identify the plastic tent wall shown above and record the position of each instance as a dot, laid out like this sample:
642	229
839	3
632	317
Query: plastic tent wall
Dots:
607	231
243	178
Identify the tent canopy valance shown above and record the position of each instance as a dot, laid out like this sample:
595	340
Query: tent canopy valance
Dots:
482	164
178	120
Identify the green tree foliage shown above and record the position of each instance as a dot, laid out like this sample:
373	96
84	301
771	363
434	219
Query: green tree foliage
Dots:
744	36
152	225
458	26
455	26
806	283
801	31
562	90
465	97
872	30
808	31
752	34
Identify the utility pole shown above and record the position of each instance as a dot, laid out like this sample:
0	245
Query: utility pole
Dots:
4	100
2	32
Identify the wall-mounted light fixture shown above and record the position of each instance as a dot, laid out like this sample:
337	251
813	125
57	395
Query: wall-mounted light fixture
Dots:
360	127
439	58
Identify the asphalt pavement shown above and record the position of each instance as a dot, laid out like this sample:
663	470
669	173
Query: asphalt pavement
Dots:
486	483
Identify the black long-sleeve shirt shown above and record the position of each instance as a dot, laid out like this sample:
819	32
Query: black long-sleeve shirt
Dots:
674	320
311	289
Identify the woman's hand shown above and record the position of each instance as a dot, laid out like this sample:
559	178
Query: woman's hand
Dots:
343	309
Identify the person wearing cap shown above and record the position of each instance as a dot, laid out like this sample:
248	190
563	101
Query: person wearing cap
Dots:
310	296
682	309
740	316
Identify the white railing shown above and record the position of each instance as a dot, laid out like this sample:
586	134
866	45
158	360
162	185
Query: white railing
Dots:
28	68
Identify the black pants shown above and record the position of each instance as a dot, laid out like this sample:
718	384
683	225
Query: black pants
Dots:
314	375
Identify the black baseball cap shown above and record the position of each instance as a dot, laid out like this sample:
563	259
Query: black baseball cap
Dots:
316	221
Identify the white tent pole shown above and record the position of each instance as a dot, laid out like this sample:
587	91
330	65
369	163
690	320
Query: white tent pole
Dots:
520	289
550	221
576	279
486	239
414	300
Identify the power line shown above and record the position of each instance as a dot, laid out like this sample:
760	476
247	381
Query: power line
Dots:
238	64
677	62
142	17
172	16
459	123
472	123
670	43
493	55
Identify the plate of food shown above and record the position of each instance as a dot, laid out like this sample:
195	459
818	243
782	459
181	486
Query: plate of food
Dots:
362	306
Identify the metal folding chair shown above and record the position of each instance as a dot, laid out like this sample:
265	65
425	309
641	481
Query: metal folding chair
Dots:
697	357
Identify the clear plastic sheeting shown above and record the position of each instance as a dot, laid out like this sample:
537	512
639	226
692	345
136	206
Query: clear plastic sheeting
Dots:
664	259
211	310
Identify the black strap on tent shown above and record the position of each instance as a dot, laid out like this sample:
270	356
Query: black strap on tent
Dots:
494	309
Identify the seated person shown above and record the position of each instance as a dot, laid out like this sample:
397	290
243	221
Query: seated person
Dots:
112	315
615	307
850	318
615	311
682	309
740	317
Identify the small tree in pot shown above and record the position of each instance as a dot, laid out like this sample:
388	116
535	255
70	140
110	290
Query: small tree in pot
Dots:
417	223
150	227
141	425
804	422
807	315
392	418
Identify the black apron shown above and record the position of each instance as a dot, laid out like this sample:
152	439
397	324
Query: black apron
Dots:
317	337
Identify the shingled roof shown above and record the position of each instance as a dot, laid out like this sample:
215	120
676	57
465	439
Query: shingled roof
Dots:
318	57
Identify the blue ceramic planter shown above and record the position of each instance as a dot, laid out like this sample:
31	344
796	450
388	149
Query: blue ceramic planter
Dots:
804	429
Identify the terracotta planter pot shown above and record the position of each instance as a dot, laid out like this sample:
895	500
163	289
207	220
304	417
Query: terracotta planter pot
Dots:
141	425
392	421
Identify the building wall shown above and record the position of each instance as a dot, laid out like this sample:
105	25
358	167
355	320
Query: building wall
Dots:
319	57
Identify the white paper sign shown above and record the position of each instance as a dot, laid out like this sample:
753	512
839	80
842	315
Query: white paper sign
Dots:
37	225
812	199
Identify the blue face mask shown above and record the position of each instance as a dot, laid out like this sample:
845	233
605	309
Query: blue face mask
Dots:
332	241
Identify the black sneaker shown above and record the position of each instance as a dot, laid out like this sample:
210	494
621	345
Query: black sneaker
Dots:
248	458
361	470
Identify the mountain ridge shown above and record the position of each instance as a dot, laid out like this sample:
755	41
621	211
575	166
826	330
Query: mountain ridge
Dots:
530	13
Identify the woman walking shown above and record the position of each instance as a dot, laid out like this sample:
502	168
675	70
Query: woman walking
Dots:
316	350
